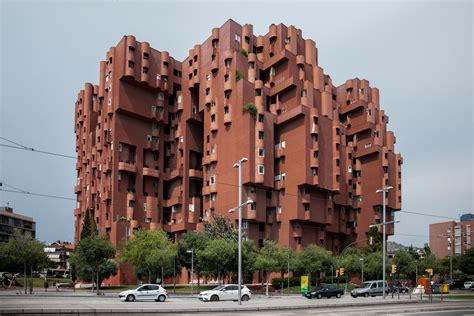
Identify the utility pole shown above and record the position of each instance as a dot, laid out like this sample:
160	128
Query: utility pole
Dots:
362	268
450	246
192	270
288	272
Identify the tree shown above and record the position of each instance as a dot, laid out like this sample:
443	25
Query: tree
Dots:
218	258
192	241
86	231
350	260
406	266
268	259
27	252
373	265
220	227
466	262
150	251
313	259
91	259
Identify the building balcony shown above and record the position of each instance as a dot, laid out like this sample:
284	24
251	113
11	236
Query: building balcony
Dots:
278	217
149	172
215	63
249	214
213	156
127	167
110	109
78	164
130	196
297	231
305	197
212	203
314	129
313	162
206	160
174	200
130	212
77	211
227	118
307	215
107	194
208	99
214	126
279	185
280	152
194	173
228	85
78	187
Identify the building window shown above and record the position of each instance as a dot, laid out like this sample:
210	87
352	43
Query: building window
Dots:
158	77
251	65
260	118
161	96
261	135
261	152
212	179
227	63
261	169
237	38
145	70
272	71
131	64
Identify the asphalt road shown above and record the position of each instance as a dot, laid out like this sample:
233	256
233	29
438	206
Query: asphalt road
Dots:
185	305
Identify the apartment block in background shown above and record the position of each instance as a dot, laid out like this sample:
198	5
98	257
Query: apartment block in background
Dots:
157	138
12	223
452	238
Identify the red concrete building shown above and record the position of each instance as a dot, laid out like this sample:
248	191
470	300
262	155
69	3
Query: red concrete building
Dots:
157	139
452	238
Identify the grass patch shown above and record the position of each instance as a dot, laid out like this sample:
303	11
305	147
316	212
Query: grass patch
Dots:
39	282
456	297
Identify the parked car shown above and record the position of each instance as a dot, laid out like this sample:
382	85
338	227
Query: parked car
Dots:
370	288
397	288
145	292
469	285
326	291
225	293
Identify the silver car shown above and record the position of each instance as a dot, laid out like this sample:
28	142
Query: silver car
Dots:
370	288
145	292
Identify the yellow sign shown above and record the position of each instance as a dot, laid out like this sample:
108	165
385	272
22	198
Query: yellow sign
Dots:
341	271
430	271
337	272
394	268
304	284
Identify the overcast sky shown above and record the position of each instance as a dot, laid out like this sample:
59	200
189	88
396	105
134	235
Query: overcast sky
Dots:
418	53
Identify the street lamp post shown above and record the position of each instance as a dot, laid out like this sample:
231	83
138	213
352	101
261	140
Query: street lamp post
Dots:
238	164
192	270
384	223
240	244
362	266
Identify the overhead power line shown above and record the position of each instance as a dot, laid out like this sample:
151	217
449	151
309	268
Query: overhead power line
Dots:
22	147
20	191
429	215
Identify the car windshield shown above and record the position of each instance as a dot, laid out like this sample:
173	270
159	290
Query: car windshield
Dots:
218	288
365	285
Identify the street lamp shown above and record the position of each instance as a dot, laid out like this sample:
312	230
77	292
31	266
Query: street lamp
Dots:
384	193
238	165
362	266
192	270
240	245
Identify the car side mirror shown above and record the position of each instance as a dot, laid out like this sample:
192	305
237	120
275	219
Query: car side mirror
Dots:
223	290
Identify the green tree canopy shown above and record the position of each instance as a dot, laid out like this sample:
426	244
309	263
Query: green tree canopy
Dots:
220	227
149	250
466	262
218	259
92	259
89	227
269	259
313	259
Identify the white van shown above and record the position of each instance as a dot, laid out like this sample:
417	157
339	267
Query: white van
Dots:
370	288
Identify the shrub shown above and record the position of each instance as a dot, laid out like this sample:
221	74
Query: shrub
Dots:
244	52
250	108
239	75
278	283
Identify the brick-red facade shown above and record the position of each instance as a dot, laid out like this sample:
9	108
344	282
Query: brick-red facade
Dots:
157	139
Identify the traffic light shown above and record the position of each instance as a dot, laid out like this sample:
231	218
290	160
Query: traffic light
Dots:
341	271
430	271
394	268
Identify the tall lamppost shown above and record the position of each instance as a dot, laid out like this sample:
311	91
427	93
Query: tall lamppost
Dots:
192	270
238	165
384	223
362	267
240	245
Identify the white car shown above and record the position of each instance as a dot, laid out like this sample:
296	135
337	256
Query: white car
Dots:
225	293
469	285
145	292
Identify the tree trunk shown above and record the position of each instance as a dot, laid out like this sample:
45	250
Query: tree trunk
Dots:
149	276
24	276
266	279
98	286
162	278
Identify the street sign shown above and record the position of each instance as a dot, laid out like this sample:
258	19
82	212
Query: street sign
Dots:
304	284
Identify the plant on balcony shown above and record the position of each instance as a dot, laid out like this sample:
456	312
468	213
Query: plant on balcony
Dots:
239	75
244	52
250	108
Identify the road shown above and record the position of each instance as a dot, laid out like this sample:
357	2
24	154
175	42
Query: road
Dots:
86	303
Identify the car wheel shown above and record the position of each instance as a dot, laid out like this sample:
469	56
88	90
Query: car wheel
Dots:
354	296
245	298
161	298
338	295
319	296
214	298
366	295
130	298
